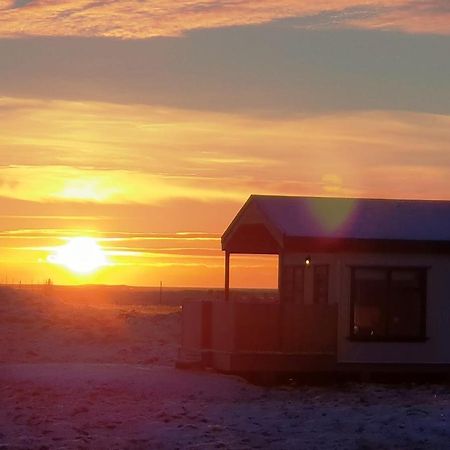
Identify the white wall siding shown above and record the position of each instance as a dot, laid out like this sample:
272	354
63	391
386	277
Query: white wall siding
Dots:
435	350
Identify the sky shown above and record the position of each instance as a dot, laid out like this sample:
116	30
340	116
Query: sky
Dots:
145	125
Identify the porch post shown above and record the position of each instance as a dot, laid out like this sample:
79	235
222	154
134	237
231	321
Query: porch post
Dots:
281	304
280	275
227	276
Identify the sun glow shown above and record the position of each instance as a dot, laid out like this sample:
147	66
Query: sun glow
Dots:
81	255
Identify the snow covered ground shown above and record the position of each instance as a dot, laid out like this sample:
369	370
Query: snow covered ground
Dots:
102	377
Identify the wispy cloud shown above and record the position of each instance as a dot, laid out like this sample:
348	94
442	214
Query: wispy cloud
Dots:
68	184
136	19
20	3
425	16
105	236
111	154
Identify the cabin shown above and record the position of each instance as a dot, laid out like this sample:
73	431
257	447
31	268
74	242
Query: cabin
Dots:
363	284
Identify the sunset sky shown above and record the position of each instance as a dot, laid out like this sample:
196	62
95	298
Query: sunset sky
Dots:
145	125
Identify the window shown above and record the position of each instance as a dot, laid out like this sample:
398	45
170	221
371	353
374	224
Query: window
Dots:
320	285
388	303
292	284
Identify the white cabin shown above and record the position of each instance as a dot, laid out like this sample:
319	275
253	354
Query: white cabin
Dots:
363	283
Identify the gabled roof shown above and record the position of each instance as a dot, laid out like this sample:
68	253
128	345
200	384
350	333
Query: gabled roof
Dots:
334	219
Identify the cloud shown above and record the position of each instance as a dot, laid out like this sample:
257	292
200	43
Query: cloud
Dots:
136	19
119	154
108	236
267	70
426	16
62	183
8	184
20	3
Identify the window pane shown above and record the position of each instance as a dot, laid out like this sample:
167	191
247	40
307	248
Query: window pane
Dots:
407	277
370	274
298	284
321	284
293	283
405	305
405	313
370	294
287	283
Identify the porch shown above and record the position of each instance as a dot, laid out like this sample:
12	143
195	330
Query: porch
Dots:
238	337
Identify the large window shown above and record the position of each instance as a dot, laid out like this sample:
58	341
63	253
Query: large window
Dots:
388	303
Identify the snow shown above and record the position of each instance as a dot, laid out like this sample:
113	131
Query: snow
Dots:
103	377
37	328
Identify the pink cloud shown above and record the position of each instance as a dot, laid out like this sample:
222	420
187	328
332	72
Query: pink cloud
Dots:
133	19
429	16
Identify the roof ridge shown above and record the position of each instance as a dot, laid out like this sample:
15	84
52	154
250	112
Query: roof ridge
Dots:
314	197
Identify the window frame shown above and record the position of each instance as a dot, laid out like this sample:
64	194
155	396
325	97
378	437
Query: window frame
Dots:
422	271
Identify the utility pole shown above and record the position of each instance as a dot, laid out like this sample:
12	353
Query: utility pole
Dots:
160	292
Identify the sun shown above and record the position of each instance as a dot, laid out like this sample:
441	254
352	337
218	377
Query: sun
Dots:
81	255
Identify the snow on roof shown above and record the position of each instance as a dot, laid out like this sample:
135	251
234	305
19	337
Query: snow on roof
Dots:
425	220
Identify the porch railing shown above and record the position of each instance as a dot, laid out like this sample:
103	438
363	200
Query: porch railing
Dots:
259	327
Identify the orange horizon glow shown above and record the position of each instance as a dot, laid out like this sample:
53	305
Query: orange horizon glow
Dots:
75	264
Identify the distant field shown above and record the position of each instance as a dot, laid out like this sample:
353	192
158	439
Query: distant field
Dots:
132	295
73	325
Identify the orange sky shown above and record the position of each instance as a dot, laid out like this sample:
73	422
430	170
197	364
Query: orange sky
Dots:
151	143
